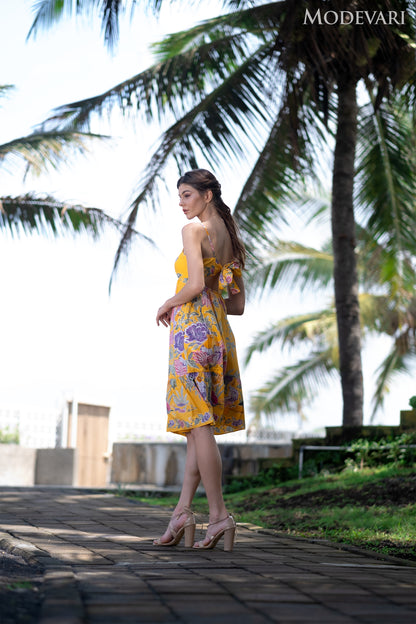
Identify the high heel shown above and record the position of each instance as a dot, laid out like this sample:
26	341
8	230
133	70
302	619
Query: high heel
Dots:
227	531
188	528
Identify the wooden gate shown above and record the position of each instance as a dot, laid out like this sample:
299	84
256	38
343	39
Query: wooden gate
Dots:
90	438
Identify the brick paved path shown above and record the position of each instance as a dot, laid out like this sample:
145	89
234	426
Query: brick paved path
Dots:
99	567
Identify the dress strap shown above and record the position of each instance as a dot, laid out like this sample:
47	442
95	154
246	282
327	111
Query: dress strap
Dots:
209	238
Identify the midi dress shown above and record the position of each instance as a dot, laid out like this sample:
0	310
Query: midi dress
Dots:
204	385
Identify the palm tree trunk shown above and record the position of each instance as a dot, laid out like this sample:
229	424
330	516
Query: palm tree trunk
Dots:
345	265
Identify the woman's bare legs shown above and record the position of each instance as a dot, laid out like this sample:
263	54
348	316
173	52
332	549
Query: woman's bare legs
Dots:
210	468
191	481
203	461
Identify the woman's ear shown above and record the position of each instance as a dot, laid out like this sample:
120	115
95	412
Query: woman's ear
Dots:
208	196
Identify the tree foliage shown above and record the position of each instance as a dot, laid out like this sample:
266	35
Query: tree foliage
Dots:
258	77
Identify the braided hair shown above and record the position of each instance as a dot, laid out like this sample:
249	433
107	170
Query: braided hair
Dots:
203	180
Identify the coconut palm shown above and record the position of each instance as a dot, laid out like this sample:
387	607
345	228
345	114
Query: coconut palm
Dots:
39	151
43	214
260	75
315	333
386	166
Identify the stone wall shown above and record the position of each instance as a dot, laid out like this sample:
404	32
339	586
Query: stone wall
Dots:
160	464
55	466
163	463
20	466
17	465
153	463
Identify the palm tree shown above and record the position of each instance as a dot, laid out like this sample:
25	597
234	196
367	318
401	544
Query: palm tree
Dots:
297	384
44	214
386	165
260	74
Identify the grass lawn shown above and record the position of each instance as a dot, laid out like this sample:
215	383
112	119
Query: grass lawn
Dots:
371	508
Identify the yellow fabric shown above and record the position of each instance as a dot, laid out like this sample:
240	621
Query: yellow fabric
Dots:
204	384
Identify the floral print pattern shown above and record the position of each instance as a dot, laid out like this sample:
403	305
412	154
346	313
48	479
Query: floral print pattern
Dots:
204	384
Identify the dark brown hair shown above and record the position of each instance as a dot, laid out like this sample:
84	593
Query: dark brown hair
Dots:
203	180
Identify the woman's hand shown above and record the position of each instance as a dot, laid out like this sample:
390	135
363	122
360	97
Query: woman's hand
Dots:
163	314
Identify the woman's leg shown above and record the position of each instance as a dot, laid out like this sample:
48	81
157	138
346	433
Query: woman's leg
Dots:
191	481
209	464
191	478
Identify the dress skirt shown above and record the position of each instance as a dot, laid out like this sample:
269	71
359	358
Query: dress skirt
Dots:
204	386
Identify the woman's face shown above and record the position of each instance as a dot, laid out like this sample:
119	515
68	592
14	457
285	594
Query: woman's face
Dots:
192	202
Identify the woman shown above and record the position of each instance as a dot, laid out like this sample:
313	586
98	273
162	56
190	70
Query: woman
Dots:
204	396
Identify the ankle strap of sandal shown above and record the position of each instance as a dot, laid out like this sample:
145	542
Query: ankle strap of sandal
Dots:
218	521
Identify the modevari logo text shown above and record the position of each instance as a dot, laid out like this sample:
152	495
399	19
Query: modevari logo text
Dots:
330	18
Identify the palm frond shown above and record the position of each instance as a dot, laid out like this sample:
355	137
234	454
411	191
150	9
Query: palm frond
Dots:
50	12
387	175
42	149
259	21
238	4
46	215
282	167
5	89
215	127
315	327
396	363
378	267
175	83
290	264
294	383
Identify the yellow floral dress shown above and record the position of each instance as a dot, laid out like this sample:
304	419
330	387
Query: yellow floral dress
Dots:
204	386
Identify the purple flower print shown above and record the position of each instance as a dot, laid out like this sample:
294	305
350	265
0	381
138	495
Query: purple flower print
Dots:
205	300
180	367
207	356
179	340
202	388
202	357
197	332
232	396
217	355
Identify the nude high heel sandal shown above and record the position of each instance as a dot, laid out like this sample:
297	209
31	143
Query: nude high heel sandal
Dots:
188	528
227	531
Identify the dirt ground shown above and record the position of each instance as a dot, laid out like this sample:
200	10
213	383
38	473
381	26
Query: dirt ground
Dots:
390	492
20	590
395	491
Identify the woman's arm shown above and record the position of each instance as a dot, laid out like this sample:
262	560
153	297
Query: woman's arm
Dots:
235	304
192	236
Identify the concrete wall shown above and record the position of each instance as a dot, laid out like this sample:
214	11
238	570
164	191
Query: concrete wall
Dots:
20	466
55	466
153	463
17	465
163	463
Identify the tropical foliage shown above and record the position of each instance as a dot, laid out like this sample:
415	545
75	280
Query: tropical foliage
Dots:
260	76
39	151
386	267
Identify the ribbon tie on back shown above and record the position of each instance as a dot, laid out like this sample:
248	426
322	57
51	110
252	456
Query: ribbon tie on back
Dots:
226	282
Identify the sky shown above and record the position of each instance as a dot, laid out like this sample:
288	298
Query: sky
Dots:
63	337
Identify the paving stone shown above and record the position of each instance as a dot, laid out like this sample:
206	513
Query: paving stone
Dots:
152	610
100	567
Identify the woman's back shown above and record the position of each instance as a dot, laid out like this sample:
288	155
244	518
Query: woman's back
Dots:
217	241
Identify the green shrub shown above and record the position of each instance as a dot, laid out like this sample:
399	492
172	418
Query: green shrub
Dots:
9	437
372	453
277	473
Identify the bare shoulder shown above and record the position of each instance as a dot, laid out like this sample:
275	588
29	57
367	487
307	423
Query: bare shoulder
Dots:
193	231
